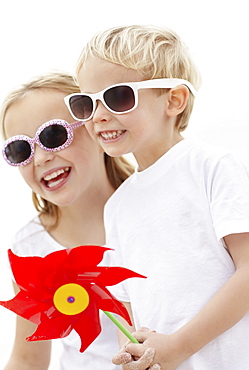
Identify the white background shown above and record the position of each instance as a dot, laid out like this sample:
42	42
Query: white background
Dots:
38	36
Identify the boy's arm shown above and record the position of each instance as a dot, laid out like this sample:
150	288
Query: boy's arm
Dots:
28	355
218	315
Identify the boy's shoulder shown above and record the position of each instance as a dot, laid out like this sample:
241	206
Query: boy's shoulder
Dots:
206	149
213	155
189	155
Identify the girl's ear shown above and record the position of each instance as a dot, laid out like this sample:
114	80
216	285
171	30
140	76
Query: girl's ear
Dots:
177	100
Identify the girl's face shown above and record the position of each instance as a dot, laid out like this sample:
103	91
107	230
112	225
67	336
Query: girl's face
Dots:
60	177
147	131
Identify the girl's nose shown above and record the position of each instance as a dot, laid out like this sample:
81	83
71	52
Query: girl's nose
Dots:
41	156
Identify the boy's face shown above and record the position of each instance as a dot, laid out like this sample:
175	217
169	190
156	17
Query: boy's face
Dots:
147	132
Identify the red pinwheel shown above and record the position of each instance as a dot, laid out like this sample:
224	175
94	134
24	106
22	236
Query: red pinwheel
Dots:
65	290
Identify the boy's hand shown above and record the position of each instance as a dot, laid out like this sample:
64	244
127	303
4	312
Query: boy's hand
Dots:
142	362
164	350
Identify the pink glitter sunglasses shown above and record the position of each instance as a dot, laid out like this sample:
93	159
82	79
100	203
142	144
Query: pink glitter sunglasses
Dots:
51	136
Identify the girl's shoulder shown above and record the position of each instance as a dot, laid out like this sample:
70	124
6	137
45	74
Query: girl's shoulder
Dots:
29	230
33	240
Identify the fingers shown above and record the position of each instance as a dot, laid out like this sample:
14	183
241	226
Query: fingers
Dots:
121	357
155	367
144	362
135	356
144	329
142	334
137	350
146	357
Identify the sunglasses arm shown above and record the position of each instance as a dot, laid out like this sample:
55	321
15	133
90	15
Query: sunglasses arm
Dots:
166	83
76	124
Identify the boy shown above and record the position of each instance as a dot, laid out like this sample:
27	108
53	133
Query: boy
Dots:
182	219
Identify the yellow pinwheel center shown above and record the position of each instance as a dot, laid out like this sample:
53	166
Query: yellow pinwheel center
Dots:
71	299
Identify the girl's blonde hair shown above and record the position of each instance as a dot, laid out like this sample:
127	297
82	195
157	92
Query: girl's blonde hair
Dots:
118	169
151	51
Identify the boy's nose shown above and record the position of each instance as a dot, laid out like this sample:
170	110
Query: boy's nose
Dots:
101	114
41	156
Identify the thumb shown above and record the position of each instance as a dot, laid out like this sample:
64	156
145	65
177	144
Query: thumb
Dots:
142	335
136	350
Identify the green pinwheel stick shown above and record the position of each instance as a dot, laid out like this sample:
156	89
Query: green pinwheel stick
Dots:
121	327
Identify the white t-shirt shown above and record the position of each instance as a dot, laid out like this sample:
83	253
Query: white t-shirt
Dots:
34	240
168	223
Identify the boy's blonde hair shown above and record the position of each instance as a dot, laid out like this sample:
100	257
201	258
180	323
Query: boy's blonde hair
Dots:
118	169
151	51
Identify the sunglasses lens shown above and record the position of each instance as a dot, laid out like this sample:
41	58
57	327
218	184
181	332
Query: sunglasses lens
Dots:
81	106
53	136
18	151
120	98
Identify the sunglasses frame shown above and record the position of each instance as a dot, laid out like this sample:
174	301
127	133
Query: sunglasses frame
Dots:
161	83
69	127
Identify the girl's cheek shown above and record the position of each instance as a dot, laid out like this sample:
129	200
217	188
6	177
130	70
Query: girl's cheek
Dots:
89	127
26	173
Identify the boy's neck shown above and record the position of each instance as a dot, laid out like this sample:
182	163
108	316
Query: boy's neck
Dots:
151	156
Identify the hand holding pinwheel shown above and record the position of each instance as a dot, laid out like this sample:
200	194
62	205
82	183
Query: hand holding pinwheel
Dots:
65	290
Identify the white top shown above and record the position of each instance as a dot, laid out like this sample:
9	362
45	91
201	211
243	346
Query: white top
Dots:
34	240
167	223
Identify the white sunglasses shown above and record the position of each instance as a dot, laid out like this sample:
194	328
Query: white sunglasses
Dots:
119	99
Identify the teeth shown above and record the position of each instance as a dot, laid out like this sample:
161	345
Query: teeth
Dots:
111	134
54	183
55	174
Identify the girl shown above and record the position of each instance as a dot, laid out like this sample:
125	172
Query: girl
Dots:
70	188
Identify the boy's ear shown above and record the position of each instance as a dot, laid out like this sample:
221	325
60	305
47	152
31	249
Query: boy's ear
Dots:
177	100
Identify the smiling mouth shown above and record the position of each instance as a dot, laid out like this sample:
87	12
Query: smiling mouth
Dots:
111	135
56	177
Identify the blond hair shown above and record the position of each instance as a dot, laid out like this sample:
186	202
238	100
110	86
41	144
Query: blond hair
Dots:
118	169
151	51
